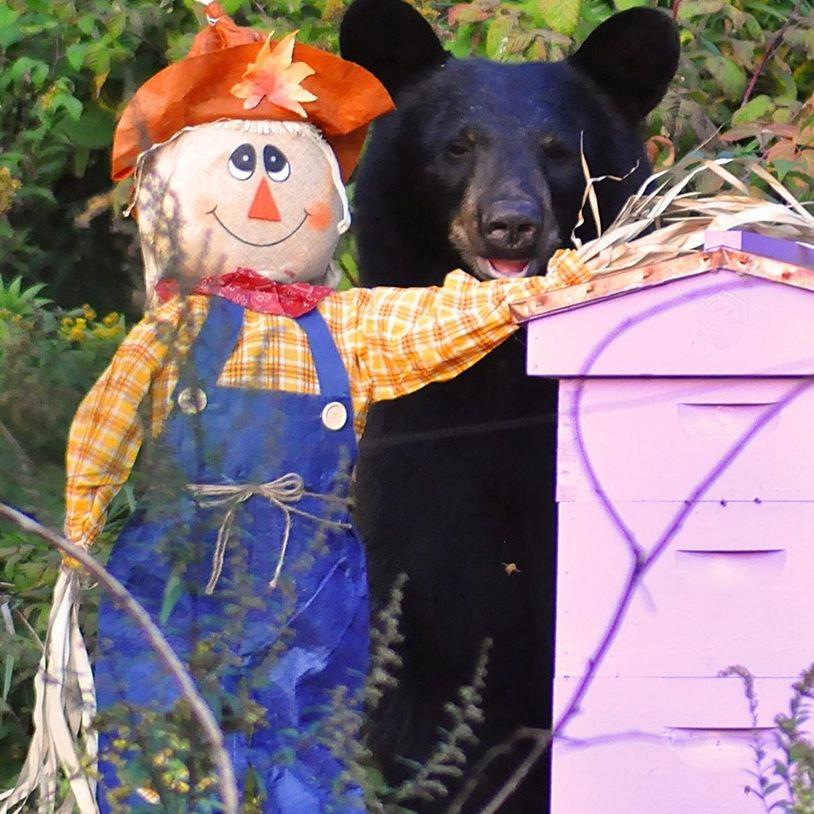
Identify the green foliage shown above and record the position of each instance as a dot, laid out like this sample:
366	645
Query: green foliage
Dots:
785	784
48	360
27	575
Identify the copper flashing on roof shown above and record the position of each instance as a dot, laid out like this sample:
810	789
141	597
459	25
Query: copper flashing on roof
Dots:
617	283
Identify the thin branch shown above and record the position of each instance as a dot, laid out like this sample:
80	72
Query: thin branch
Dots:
769	51
155	638
24	460
541	739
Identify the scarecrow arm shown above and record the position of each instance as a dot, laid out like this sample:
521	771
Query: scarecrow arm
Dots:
107	432
408	338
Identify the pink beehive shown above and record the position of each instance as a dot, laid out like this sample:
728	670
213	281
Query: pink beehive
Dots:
686	422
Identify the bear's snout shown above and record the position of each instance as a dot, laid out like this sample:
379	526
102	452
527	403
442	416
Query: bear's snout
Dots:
511	225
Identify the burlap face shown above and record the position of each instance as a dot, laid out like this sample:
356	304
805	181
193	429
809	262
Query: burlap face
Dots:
226	195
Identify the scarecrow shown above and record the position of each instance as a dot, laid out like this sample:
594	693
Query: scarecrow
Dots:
251	377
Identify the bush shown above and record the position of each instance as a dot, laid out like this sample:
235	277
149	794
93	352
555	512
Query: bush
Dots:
49	358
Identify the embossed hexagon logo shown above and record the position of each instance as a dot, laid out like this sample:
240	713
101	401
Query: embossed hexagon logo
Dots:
723	320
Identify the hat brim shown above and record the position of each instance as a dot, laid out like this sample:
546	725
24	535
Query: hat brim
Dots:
198	90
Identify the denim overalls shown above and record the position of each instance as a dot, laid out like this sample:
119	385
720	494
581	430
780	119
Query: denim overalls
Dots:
249	487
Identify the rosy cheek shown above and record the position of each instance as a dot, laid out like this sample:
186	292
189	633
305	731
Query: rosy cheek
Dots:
319	215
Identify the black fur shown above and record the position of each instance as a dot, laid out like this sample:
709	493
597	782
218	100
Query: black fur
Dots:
480	162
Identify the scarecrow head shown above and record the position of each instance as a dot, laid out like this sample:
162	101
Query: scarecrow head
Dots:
240	152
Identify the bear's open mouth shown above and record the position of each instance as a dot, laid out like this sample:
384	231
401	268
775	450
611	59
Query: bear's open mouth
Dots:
496	268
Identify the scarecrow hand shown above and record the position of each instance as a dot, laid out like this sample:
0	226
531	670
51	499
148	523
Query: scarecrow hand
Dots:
71	562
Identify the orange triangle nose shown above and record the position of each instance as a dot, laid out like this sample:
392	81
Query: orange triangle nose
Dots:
263	206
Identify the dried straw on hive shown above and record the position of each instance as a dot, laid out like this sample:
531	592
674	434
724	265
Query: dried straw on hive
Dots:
665	219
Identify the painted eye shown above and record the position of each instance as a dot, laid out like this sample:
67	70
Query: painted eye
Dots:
242	162
277	166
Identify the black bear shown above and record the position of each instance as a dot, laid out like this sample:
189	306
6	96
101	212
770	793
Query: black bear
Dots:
481	167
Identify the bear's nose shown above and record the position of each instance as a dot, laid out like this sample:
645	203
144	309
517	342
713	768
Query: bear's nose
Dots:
511	224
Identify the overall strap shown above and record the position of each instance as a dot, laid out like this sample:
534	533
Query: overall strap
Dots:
331	372
215	342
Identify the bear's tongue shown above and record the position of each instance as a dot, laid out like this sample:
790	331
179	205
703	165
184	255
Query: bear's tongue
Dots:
509	268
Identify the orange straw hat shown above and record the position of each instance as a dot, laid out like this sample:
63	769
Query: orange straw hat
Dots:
232	73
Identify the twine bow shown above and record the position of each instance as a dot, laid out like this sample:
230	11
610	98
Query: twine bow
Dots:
282	492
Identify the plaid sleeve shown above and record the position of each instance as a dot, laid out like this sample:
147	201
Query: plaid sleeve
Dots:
107	432
410	337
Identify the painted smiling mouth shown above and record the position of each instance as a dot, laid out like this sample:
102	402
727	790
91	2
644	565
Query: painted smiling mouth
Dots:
294	231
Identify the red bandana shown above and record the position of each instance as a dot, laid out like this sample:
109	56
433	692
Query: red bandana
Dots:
253	291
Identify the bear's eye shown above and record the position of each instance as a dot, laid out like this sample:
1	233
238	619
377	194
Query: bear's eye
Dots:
458	149
277	166
242	162
553	148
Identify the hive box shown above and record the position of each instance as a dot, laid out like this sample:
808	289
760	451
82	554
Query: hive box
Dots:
686	426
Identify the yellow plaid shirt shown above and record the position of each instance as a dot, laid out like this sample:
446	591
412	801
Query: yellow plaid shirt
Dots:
393	341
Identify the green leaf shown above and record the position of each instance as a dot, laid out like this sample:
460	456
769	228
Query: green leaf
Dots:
497	36
172	593
9	672
783	168
32	191
624	5
753	29
81	156
8	16
69	103
75	54
87	24
231	6
98	60
730	77
698	8
756	108
10	32
116	24
93	129
35	70
561	15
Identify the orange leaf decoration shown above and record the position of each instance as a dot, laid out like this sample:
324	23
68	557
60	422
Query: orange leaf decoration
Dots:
275	77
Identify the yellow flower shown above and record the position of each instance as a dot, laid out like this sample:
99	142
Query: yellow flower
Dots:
111	319
77	332
88	313
47	98
8	188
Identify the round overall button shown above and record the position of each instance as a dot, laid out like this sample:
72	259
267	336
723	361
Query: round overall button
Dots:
334	415
192	400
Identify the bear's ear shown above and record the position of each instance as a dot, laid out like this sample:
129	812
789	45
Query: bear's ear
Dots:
391	39
632	56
